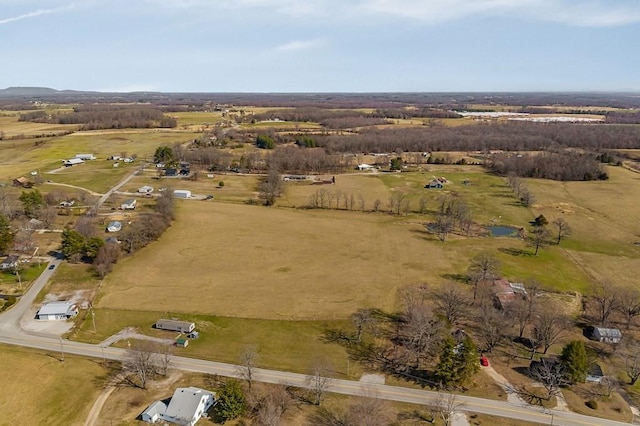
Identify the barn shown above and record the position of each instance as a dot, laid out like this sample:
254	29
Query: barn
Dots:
182	193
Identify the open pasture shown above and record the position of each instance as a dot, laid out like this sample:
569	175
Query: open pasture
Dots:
19	157
282	263
38	389
11	127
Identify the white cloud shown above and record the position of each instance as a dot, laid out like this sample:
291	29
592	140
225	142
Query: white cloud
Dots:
37	12
297	45
594	13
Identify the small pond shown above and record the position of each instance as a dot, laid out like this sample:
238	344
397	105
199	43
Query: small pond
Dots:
503	231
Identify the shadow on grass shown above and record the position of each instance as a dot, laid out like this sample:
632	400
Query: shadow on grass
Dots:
460	278
515	252
424	234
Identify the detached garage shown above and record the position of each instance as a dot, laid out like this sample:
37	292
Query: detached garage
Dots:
57	311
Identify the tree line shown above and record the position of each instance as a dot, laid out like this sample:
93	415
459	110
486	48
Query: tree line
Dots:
93	117
509	136
563	166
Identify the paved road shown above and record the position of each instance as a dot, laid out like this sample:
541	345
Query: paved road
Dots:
347	387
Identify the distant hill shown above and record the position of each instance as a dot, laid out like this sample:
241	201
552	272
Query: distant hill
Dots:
28	91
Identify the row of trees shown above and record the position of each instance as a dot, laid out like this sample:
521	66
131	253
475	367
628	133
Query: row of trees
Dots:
564	166
92	117
510	136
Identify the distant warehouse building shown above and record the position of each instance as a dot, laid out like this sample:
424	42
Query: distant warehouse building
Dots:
57	311
182	193
175	325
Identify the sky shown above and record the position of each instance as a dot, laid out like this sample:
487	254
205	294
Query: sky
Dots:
321	45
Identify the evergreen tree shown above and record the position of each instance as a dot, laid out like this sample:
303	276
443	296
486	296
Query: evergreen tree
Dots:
73	244
32	202
446	367
467	360
575	360
231	401
6	235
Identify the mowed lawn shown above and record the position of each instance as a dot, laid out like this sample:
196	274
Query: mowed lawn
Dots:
38	389
257	262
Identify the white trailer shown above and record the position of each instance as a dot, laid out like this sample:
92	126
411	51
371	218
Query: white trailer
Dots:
182	193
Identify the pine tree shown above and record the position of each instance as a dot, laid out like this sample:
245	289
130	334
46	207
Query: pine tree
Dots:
467	360
575	360
231	401
446	367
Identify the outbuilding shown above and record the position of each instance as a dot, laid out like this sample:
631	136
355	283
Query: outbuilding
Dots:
182	193
86	156
114	226
129	204
57	311
145	189
73	162
606	335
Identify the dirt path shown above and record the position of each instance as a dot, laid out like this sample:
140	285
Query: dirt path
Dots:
76	187
92	418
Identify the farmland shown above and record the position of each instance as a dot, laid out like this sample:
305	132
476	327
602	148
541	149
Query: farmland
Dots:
288	278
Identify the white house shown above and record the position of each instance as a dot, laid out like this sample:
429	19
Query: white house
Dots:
182	193
365	167
129	204
72	162
57	311
145	189
9	262
128	160
114	226
185	408
86	156
607	335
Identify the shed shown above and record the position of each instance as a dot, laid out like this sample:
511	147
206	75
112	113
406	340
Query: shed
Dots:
129	204
23	182
114	226
175	325
57	311
182	193
435	183
145	189
594	374
170	172
182	342
606	335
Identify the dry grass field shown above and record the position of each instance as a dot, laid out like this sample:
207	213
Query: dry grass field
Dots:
281	263
38	389
605	222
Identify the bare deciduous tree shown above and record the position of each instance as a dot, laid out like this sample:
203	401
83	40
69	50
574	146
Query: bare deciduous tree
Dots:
422	331
140	364
491	323
606	300
248	360
319	381
538	238
368	411
363	319
452	303
563	230
548	328
484	267
629	305
446	406
272	187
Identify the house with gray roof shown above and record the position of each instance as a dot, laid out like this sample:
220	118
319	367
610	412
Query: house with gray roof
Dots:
186	407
